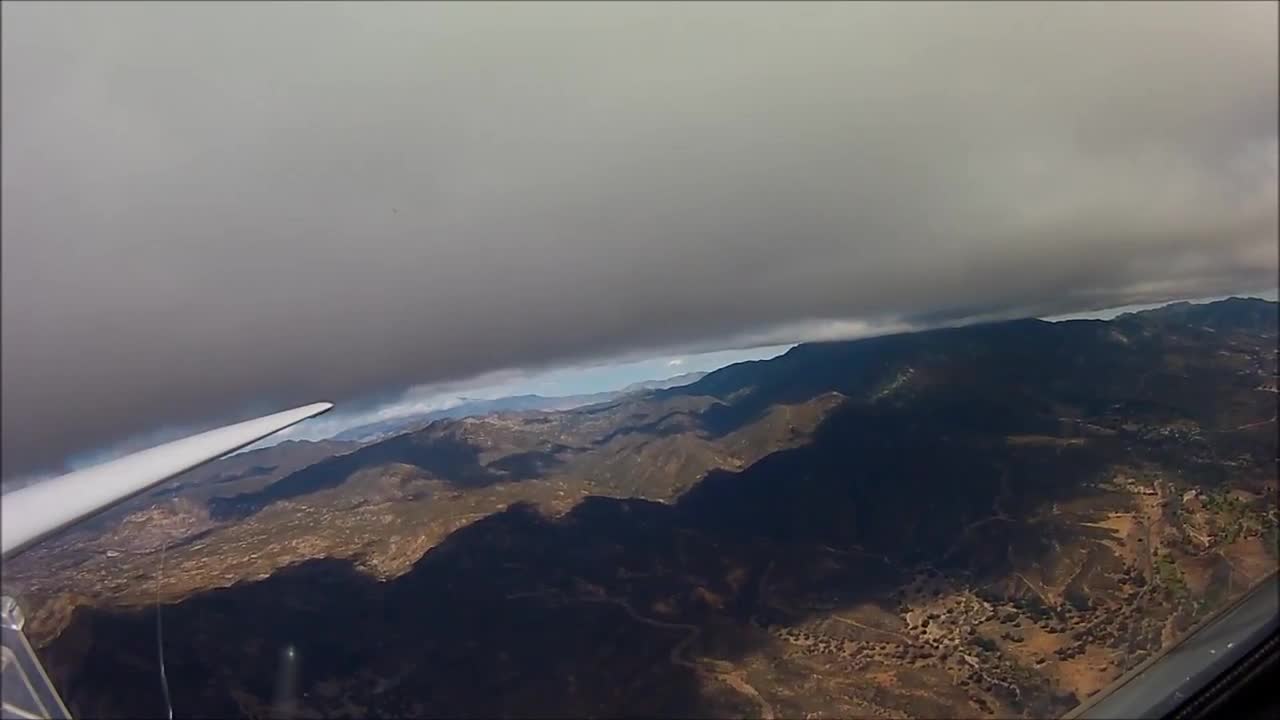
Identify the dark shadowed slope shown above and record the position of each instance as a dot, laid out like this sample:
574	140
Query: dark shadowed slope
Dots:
994	520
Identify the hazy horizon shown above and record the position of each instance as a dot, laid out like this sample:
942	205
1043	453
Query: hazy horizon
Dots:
216	210
570	380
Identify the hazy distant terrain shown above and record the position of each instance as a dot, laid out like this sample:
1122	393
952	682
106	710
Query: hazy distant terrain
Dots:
990	520
475	408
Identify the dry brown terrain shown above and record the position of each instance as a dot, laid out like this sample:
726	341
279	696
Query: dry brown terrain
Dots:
988	521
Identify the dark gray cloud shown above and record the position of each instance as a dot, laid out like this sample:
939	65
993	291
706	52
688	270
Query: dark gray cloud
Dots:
216	209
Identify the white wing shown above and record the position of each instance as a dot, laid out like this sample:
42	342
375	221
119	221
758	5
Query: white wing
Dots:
35	511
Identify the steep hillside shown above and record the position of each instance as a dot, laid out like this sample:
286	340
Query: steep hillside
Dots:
989	520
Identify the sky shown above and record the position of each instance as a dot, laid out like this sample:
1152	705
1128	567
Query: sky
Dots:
211	211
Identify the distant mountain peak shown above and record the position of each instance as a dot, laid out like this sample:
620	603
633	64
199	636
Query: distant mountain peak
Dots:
665	383
1233	313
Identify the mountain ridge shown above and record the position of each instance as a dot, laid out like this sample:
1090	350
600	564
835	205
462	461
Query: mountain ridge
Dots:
473	407
987	520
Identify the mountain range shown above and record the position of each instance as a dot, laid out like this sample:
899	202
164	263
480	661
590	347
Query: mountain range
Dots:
992	520
513	403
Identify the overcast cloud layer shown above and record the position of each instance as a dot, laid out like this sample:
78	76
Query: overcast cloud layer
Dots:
216	210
